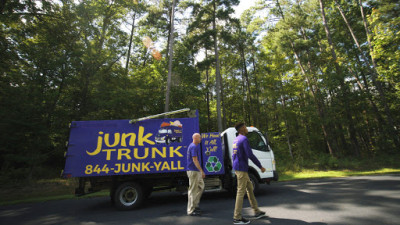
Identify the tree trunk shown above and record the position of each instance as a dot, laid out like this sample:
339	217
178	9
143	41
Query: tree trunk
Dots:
130	44
244	113
3	5
317	101
257	94
208	98
217	72
223	115
246	76
378	84
345	92
368	34
285	119
171	55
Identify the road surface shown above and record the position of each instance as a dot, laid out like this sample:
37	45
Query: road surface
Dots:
354	200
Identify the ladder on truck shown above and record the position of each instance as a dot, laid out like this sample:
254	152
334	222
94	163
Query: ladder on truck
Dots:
191	113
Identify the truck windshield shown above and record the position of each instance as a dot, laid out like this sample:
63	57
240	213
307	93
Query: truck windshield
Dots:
163	131
256	141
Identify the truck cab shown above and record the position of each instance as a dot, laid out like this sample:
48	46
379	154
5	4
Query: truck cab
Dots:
261	150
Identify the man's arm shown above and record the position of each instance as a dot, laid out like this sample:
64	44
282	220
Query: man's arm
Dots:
197	164
251	156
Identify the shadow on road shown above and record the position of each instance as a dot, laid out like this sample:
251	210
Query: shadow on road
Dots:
172	198
282	221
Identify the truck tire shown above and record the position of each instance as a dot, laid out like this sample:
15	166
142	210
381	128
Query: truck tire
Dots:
167	141
128	196
254	181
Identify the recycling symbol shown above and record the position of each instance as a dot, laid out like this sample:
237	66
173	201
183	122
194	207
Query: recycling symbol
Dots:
213	164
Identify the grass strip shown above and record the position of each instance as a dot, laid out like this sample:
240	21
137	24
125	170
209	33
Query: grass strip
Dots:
311	174
54	197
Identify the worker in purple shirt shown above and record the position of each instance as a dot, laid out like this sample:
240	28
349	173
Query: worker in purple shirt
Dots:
241	154
196	175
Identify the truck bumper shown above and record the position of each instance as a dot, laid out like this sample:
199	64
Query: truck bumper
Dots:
269	179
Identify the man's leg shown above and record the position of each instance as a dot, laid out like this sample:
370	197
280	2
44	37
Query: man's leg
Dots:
250	194
191	191
199	189
241	190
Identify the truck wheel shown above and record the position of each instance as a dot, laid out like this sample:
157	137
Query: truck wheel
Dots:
167	141
254	181
128	196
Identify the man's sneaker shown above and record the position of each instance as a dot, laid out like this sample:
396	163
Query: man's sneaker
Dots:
241	221
197	209
259	215
194	214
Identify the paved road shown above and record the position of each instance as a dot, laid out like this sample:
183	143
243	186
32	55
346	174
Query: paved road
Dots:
354	200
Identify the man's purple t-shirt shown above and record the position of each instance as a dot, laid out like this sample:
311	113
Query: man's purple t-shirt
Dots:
242	153
193	150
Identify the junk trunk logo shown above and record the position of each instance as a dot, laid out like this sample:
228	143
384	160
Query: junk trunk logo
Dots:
213	164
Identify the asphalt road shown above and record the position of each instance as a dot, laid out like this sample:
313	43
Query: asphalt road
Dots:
354	200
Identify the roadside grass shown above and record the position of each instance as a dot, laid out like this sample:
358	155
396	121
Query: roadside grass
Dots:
312	174
60	189
42	191
53	197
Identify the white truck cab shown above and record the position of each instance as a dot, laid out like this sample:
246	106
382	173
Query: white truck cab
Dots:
261	150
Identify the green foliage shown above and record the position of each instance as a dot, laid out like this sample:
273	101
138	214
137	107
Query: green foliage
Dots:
385	27
65	60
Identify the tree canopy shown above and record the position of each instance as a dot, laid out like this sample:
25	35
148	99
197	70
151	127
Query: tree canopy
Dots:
321	77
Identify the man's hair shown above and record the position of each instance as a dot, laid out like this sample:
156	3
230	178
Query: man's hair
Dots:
239	125
195	134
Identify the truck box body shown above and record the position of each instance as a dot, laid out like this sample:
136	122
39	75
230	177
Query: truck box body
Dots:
116	147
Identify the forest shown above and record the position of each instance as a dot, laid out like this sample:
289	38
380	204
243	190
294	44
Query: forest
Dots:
320	77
